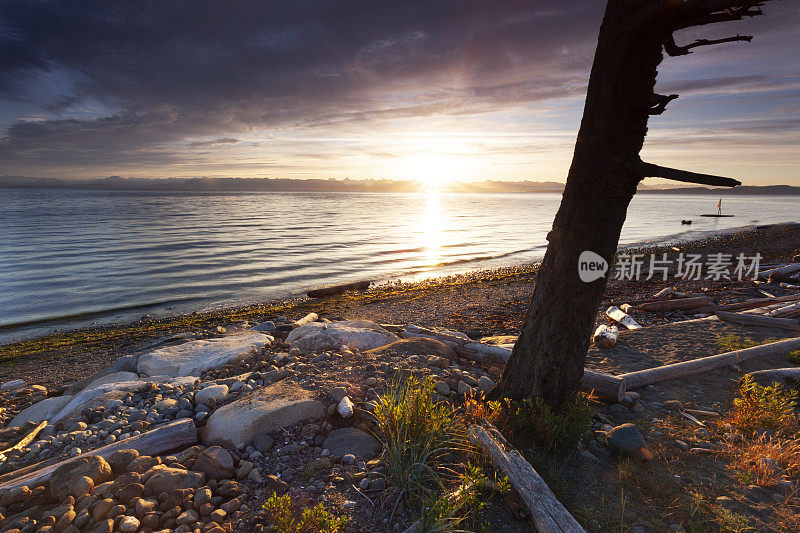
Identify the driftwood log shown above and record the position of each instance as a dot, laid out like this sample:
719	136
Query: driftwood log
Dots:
749	304
603	385
338	289
641	378
784	270
310	317
786	311
176	434
25	441
12	385
605	336
547	513
787	377
621	317
677	303
759	320
464	346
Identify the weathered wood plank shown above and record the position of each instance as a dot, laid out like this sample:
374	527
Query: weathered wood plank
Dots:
621	317
547	513
677	303
310	317
25	441
338	289
641	378
749	304
759	320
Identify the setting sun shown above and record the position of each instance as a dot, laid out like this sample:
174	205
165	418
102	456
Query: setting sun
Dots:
433	169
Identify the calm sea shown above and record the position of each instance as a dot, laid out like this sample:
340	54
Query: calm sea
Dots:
73	257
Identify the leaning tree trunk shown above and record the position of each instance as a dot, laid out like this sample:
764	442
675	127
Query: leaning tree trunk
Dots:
548	359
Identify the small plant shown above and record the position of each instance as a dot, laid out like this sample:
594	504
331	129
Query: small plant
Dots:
759	408
282	517
465	504
730	343
475	409
419	437
533	422
794	357
766	460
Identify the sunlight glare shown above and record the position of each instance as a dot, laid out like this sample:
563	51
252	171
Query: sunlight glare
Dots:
432	228
432	169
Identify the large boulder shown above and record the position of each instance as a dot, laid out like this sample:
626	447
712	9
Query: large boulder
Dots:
360	335
40	411
261	411
65	477
416	346
353	441
123	364
115	377
192	358
105	394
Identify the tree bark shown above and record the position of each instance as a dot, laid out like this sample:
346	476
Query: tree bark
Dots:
548	358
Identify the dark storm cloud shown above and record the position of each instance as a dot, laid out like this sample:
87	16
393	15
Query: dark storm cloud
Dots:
171	70
127	80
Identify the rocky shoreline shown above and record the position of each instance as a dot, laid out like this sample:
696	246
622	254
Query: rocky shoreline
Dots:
275	407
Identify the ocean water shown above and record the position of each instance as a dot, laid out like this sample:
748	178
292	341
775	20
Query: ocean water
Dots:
73	257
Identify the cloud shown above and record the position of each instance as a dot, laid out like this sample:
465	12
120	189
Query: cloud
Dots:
151	82
215	142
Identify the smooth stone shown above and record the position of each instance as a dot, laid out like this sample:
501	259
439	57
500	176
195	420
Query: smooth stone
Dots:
66	475
167	479
361	335
276	406
352	441
215	462
193	357
627	440
217	393
416	346
40	411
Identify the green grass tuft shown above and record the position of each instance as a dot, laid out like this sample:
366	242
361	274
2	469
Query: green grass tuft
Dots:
283	518
534	423
419	439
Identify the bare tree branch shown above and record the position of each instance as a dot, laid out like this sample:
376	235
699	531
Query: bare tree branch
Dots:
674	50
698	16
658	103
650	170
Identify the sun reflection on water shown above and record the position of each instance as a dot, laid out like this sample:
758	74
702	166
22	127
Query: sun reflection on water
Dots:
432	230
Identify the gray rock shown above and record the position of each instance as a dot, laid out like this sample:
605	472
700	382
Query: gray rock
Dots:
215	462
279	405
360	335
352	441
214	392
193	357
485	384
627	440
265	327
263	442
337	393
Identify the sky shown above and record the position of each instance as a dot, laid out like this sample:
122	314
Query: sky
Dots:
430	90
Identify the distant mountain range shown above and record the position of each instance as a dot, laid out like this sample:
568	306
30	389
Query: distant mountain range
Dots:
345	185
